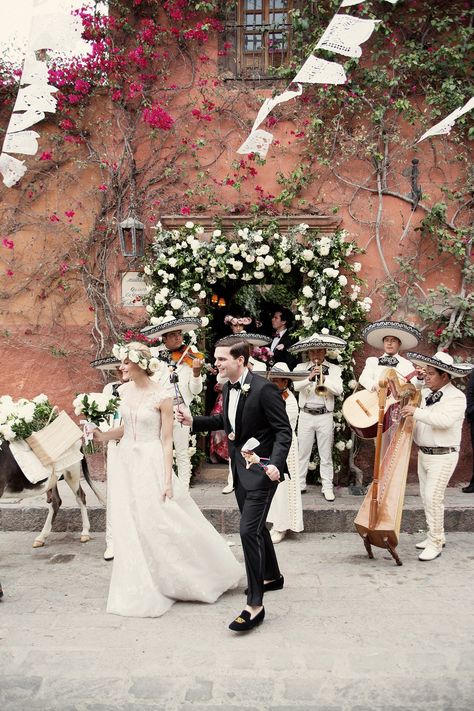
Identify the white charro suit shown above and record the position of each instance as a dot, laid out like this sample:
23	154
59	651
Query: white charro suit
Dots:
370	376
438	426
319	426
189	386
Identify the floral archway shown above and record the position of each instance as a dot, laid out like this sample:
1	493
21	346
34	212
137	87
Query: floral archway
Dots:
183	267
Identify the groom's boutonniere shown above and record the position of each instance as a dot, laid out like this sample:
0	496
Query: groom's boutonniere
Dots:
245	389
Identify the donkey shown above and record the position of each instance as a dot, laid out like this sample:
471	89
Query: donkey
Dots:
14	484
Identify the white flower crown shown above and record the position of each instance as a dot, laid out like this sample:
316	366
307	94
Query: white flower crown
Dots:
124	352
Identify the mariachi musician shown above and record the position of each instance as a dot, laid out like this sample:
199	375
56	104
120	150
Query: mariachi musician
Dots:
392	337
316	401
185	364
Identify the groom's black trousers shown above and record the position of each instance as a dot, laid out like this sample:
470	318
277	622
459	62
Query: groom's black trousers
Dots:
260	559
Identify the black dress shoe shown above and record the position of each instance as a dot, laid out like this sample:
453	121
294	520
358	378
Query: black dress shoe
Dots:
244	622
272	585
469	489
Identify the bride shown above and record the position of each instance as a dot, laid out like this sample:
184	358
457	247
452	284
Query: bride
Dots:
165	550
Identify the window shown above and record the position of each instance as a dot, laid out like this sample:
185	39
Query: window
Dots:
259	32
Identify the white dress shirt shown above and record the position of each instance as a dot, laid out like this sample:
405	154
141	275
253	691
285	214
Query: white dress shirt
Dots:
306	388
276	339
370	376
234	400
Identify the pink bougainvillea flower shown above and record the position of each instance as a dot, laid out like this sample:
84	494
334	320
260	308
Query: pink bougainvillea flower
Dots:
157	117
9	272
46	155
185	211
63	268
8	243
103	188
54	218
70	214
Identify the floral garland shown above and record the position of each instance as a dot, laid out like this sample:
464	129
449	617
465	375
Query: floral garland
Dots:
123	352
181	269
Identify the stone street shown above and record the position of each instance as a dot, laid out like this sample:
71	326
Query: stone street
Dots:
345	633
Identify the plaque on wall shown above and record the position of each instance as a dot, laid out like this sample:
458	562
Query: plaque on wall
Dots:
133	288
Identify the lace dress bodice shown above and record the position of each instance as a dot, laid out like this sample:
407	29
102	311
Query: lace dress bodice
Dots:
141	416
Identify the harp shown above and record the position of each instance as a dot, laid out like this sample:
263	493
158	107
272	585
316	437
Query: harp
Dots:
379	517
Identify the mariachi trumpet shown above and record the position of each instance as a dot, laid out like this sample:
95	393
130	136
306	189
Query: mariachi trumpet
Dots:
319	388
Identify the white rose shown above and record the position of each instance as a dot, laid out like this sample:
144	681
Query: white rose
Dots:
307	291
340	446
307	254
322	301
202	294
249	258
258	275
231	275
133	357
234	248
238	265
176	304
172	261
349	444
352	384
220	249
40	398
323	251
269	261
200	230
216	233
164	291
357	266
197	287
213	262
204	321
147	270
258	237
342	280
189	225
334	303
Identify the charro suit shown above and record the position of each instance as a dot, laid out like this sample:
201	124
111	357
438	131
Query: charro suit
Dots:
260	413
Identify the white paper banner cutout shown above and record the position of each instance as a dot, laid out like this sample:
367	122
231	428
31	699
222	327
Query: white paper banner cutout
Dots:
36	96
18	122
345	33
34	71
447	123
269	104
320	71
12	169
258	142
22	142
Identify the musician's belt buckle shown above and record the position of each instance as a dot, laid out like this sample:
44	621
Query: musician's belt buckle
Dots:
315	410
438	450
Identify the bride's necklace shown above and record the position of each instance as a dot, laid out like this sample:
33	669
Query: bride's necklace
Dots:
134	414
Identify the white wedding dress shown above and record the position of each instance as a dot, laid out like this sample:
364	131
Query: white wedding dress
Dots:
164	550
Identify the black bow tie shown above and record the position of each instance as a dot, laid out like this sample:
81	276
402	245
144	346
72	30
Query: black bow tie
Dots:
235	386
433	397
388	360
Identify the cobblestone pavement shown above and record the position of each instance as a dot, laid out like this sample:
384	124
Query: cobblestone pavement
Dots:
345	634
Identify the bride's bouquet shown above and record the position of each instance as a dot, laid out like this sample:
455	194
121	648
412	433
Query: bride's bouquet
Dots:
95	408
20	418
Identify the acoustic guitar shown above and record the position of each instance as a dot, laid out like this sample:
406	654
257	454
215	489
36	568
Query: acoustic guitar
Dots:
361	412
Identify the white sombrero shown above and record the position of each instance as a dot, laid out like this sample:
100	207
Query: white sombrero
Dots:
254	339
186	323
109	363
408	335
319	340
442	361
282	370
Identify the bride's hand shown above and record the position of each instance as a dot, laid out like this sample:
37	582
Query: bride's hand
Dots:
168	492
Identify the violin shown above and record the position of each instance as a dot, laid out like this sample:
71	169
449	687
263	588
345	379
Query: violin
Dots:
177	356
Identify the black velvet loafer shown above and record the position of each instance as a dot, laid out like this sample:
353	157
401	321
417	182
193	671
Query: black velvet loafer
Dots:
244	623
272	585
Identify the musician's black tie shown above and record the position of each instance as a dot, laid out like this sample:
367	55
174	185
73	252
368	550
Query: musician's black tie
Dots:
388	360
433	397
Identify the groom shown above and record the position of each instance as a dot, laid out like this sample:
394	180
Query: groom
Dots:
252	407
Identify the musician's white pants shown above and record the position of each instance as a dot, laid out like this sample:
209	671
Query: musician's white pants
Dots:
434	473
320	427
181	434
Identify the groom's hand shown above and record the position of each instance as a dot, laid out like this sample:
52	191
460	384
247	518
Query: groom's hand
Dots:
272	472
183	416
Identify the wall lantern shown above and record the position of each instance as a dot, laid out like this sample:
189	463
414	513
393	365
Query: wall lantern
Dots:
221	302
132	237
214	299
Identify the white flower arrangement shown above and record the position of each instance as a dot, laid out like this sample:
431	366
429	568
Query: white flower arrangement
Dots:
123	352
20	418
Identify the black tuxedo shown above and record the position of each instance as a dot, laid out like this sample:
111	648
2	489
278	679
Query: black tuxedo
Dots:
261	413
281	355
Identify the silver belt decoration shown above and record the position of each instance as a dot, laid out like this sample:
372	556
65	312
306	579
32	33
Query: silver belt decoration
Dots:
316	410
438	450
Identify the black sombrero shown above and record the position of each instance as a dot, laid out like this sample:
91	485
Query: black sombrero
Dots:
319	340
186	323
109	363
442	361
254	339
408	335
